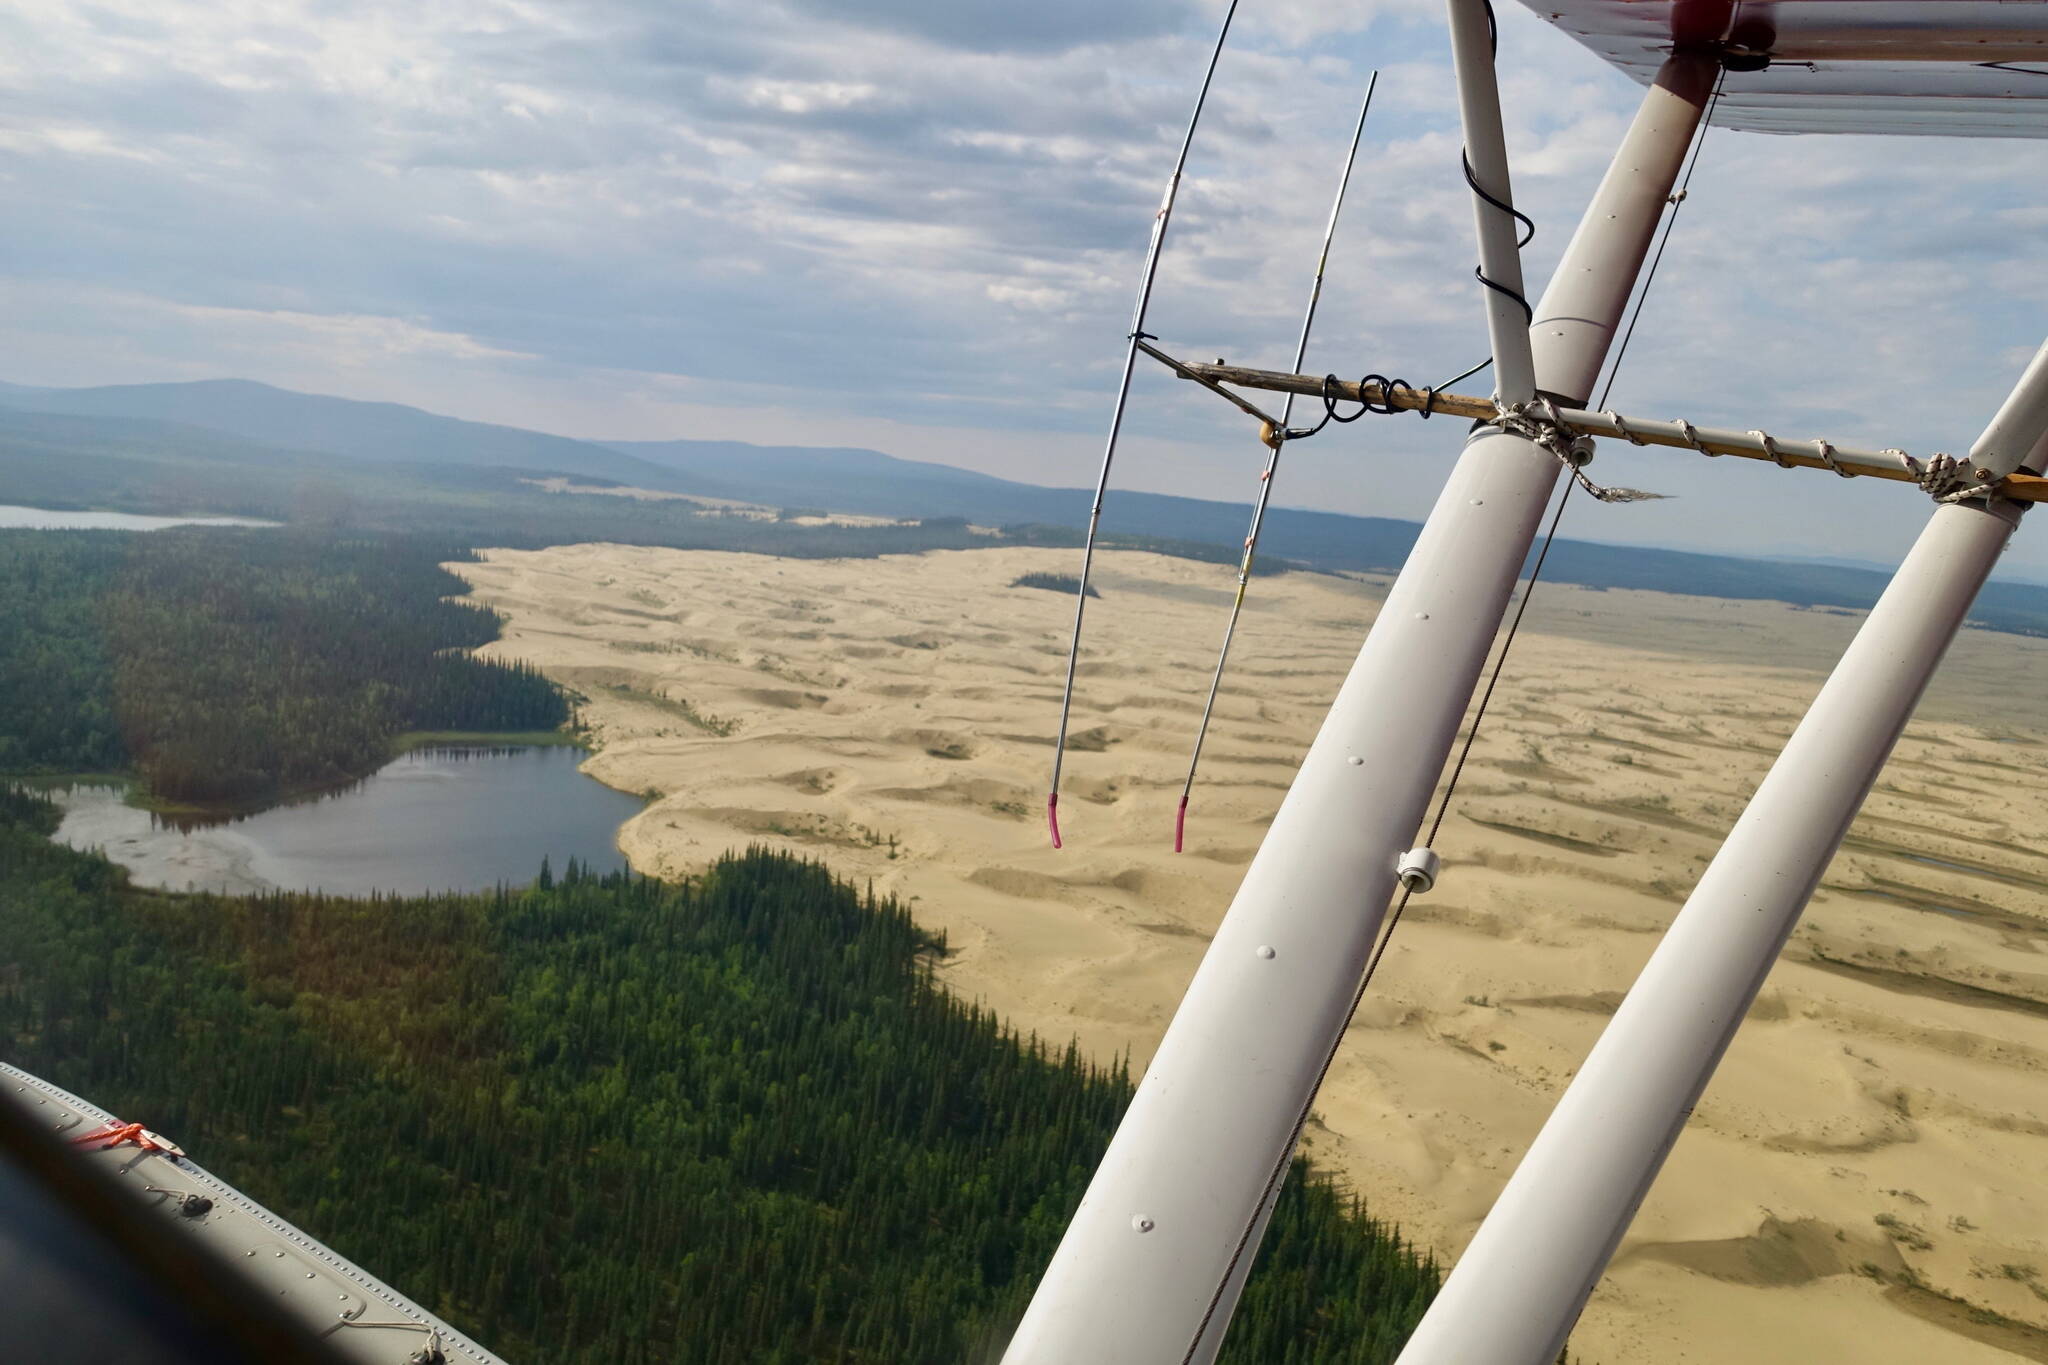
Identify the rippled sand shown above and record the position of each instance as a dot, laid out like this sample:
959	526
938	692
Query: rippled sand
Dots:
1866	1180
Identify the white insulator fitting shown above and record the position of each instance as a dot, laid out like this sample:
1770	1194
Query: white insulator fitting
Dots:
1580	451
1418	868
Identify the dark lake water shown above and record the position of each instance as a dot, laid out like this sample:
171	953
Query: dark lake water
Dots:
432	820
43	519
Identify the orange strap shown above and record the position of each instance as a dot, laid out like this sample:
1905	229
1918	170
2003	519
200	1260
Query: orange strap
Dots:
117	1133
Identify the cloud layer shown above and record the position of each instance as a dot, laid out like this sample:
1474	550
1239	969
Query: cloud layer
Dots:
921	221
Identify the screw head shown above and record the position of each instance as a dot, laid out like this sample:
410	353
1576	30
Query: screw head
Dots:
1140	1223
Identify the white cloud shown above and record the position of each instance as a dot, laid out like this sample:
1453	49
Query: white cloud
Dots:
62	141
807	97
347	339
920	216
351	354
1030	298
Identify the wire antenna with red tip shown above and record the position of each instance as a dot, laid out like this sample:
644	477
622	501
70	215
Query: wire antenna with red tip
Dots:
1116	419
1277	442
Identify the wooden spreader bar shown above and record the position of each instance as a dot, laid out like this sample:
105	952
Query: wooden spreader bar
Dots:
1679	435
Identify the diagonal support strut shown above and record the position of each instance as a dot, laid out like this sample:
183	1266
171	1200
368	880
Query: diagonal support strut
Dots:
1513	1296
1156	1256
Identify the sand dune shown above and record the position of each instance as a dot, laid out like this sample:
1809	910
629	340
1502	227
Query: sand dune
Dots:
1866	1180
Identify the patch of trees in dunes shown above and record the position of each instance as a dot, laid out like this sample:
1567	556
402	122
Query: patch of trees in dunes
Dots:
1053	582
226	667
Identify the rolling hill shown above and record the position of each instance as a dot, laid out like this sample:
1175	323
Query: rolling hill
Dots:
389	432
240	422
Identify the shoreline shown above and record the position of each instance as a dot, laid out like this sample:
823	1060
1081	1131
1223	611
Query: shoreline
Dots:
208	812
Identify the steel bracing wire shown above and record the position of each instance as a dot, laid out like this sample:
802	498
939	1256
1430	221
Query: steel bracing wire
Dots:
1116	418
1465	374
1279	442
1670	222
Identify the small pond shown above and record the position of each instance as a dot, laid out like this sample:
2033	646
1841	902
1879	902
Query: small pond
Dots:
44	519
431	820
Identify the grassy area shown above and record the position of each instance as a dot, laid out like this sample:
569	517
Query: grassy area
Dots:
43	782
405	743
487	739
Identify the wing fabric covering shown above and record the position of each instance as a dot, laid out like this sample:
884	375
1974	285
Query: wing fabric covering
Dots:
1955	68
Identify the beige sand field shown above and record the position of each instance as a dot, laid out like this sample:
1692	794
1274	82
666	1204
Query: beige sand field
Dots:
1867	1179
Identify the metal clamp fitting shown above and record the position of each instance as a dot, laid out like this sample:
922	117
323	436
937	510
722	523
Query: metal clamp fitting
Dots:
1418	870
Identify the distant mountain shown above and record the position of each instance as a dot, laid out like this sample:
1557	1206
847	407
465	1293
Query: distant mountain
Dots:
170	424
1834	561
871	483
61	435
387	432
866	481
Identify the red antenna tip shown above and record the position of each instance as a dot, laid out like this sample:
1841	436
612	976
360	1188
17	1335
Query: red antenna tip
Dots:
1180	824
1052	817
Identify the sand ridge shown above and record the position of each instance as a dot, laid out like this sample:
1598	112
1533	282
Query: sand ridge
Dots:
1867	1178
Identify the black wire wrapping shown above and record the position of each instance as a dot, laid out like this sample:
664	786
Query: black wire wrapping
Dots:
1386	385
1330	413
1384	406
1528	227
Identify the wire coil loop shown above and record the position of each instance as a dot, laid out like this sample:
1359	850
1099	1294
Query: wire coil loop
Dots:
1622	428
1827	457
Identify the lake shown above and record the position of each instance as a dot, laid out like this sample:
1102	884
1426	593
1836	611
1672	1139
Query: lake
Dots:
431	820
44	519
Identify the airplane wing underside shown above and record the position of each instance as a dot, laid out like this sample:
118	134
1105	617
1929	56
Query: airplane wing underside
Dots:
1972	68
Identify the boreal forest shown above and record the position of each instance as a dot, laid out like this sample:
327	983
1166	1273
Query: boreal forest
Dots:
732	1120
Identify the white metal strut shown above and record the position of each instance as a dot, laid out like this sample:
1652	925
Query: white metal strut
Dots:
1521	1284
1149	1270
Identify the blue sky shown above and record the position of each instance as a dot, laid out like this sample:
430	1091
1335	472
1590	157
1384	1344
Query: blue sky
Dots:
916	225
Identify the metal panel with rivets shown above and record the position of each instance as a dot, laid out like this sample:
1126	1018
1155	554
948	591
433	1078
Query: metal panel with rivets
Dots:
361	1316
